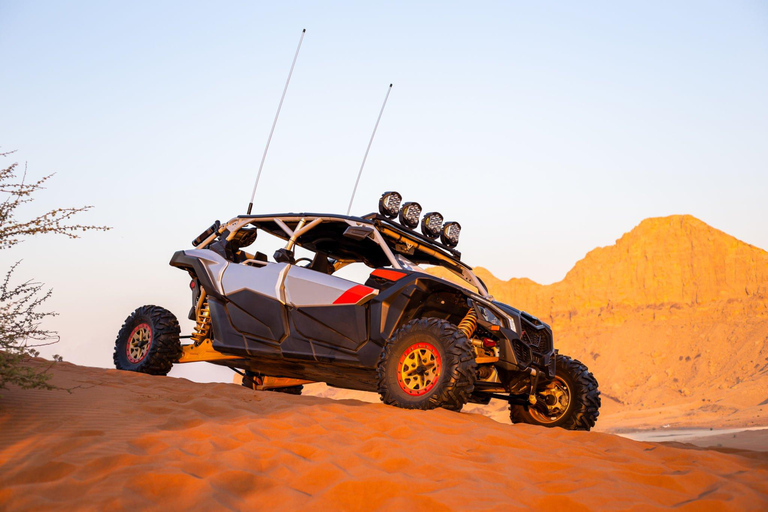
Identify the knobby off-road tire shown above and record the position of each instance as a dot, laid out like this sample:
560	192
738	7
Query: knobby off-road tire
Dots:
251	380
440	353
583	406
148	341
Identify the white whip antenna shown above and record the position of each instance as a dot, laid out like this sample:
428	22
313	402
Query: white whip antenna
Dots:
354	191
274	123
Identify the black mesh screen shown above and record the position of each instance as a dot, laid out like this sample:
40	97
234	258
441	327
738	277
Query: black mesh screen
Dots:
540	341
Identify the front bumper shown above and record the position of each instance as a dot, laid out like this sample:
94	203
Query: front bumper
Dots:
526	342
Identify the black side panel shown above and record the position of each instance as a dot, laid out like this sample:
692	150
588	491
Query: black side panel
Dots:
257	315
296	347
238	332
225	337
390	313
368	355
336	332
337	326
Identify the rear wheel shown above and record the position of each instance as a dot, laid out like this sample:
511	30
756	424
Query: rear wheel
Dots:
148	341
571	400
428	363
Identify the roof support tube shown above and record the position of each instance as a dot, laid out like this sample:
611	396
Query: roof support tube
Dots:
384	247
294	236
284	227
301	231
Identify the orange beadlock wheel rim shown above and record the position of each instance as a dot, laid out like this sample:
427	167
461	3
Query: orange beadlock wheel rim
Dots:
139	342
419	369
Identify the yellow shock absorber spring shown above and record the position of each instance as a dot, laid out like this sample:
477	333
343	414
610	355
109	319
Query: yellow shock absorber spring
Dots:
203	319
469	323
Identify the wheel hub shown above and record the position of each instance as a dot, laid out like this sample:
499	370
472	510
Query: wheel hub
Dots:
419	368
139	342
553	401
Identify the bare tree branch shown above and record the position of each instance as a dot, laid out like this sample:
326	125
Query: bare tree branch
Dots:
21	317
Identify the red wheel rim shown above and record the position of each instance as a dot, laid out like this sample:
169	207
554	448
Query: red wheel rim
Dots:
419	369
139	343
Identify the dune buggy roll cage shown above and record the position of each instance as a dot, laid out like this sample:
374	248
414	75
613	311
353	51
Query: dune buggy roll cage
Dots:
405	242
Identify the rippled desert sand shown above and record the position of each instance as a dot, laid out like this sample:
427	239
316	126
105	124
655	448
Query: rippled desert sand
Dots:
124	441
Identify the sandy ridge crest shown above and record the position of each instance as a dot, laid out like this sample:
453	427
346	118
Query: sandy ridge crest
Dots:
126	441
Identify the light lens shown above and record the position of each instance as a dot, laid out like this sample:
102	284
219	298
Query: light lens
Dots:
431	223
450	234
409	214
389	204
488	316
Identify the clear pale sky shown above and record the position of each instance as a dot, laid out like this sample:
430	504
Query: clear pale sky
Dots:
546	129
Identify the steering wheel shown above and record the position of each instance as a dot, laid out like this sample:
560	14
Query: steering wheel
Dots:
303	259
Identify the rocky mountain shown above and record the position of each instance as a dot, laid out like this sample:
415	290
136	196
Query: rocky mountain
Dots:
666	260
673	315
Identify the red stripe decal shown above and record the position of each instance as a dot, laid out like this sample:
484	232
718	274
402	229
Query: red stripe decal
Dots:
354	294
389	275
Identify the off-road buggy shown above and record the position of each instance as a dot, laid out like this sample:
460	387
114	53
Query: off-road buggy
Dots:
418	340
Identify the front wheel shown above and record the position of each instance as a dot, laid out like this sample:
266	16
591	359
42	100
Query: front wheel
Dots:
148	341
571	400
428	363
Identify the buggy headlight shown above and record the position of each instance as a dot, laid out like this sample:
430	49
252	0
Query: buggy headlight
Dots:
450	234
430	224
409	214
389	204
489	316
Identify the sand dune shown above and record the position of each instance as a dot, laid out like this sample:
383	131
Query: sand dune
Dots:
131	441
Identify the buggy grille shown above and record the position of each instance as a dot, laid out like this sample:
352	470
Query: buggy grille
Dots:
522	352
540	341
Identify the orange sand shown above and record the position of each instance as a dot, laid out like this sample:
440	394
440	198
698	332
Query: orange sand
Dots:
131	441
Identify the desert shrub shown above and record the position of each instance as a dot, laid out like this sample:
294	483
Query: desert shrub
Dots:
21	314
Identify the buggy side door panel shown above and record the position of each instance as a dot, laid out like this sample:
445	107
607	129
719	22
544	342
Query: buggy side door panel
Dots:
257	316
337	332
278	310
229	340
305	287
266	280
255	312
329	311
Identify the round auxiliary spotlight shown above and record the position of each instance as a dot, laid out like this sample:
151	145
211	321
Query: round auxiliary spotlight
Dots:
389	204
449	235
430	224
409	214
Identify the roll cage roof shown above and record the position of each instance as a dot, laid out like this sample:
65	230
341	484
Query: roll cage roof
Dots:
372	239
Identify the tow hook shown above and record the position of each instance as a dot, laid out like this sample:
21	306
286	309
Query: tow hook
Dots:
534	384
